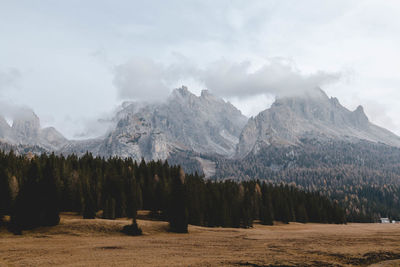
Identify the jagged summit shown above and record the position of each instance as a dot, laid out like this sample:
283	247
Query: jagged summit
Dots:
311	115
204	124
26	126
4	127
26	130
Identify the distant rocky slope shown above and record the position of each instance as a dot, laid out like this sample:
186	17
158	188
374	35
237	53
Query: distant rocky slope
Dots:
26	131
198	131
310	116
184	122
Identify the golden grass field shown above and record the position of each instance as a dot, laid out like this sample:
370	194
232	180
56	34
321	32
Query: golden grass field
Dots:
78	242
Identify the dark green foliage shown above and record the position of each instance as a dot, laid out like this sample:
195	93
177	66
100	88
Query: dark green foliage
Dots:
109	209
5	194
89	205
37	201
266	209
26	214
120	187
362	176
177	208
49	199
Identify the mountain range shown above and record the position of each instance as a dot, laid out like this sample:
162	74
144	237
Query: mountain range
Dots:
308	140
206	125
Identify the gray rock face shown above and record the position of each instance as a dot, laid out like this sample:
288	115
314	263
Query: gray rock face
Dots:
313	115
51	139
204	124
4	128
26	127
26	130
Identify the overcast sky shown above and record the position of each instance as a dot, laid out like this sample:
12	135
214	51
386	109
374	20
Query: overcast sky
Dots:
75	61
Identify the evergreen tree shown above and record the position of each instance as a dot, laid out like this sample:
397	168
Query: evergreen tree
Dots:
266	212
246	208
89	207
27	211
48	192
177	210
5	194
109	209
301	213
120	187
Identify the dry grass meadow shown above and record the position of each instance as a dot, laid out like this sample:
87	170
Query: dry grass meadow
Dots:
78	242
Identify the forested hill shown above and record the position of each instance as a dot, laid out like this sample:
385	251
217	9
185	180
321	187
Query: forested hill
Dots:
363	176
34	191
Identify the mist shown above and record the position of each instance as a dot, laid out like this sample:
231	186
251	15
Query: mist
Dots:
146	80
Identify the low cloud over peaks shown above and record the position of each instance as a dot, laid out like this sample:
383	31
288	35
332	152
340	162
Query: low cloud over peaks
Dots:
140	79
146	80
9	78
276	77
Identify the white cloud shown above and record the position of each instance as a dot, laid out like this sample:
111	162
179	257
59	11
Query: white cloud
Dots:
9	78
144	79
278	77
55	43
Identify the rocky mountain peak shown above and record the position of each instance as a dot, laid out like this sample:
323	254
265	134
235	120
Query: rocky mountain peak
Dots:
359	111
204	124
26	125
311	115
205	93
359	117
182	92
26	130
4	128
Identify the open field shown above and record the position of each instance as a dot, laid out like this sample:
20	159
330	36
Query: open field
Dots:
78	242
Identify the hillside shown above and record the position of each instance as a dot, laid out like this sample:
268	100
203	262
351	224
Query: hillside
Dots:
363	176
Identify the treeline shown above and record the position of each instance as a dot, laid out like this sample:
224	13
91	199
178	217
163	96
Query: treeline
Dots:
33	190
364	177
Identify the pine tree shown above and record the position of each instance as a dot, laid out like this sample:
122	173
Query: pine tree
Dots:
301	213
27	211
5	194
49	200
89	207
109	209
266	212
177	211
246	206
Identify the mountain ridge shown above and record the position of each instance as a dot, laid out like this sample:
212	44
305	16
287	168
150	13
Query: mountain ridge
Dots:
204	124
290	119
26	130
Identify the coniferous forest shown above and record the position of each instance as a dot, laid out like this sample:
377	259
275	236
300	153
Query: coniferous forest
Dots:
34	190
363	177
